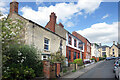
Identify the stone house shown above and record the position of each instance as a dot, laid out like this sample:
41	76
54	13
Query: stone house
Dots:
112	51
45	40
104	50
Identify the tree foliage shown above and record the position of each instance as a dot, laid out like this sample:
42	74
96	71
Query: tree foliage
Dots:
19	61
22	58
11	32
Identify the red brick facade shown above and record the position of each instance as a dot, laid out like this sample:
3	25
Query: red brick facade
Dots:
51	24
14	7
72	50
85	41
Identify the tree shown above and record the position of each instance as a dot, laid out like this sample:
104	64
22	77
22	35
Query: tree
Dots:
19	61
11	33
23	63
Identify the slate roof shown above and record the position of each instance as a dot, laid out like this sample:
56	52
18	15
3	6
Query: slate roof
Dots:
39	25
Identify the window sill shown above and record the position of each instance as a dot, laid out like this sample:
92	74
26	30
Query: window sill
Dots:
46	50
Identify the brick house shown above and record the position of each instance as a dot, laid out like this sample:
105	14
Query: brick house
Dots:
87	46
44	39
74	47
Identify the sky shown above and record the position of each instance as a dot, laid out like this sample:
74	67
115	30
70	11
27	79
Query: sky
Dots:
96	20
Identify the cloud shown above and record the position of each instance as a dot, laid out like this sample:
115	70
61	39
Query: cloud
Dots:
63	11
85	17
69	24
4	7
88	5
101	32
107	15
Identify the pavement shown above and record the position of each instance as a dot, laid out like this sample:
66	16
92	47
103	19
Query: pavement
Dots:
78	73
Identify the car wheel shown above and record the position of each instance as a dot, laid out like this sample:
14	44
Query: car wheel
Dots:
115	77
113	71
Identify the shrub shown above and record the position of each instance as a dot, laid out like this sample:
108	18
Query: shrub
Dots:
22	58
57	57
78	61
101	58
18	73
92	59
65	70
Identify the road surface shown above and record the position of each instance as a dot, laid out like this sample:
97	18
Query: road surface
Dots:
102	70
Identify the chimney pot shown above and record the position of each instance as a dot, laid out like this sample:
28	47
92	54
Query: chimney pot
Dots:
113	42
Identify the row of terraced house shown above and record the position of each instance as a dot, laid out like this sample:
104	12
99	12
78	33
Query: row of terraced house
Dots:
52	37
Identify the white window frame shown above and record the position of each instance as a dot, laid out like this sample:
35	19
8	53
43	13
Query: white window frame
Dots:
46	43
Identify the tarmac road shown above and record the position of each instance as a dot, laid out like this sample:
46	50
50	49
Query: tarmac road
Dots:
102	70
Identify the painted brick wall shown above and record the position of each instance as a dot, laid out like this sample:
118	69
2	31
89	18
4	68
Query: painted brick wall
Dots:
84	40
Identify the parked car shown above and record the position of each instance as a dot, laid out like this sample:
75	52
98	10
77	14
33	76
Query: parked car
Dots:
117	71
114	58
108	58
115	66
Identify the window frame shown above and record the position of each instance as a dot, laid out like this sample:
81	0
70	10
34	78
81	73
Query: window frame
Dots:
103	49
46	44
75	43
78	55
70	40
69	55
75	55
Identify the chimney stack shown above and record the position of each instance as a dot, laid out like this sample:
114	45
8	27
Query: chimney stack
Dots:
14	7
52	22
113	42
117	43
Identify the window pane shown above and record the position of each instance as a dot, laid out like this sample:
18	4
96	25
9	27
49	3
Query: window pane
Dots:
69	40
103	49
103	53
113	49
46	47
80	45
44	56
74	43
74	55
46	41
78	55
69	55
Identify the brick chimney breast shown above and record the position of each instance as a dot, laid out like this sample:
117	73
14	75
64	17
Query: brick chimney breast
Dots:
60	24
53	17
51	24
14	6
